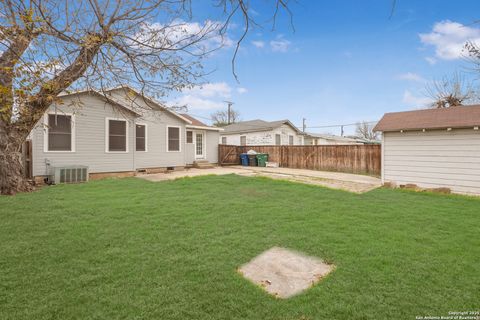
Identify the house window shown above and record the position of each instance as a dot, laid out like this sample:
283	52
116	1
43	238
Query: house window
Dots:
189	136
224	140
243	140
278	139
59	132
290	140
141	137
117	135
173	138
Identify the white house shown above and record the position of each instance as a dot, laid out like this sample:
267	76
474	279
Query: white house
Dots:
433	148
259	132
314	139
118	133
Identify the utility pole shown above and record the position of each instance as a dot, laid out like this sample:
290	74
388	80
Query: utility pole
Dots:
229	112
304	125
341	134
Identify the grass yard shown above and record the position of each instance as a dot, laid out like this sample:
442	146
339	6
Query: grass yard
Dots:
133	249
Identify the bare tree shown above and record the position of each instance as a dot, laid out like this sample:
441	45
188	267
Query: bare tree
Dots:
365	130
220	118
52	46
451	91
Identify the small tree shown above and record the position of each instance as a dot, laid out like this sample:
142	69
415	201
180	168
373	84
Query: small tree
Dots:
365	130
50	46
220	118
451	91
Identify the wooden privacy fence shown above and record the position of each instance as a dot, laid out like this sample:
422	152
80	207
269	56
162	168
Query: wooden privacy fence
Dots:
364	159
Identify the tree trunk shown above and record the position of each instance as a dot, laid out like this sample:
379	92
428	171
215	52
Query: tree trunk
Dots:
12	177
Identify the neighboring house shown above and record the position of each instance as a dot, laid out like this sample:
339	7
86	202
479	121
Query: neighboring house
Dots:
432	148
313	139
363	140
118	134
259	132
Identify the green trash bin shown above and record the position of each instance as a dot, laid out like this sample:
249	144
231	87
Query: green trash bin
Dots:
262	159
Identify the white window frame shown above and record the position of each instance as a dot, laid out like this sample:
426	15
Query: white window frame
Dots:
47	129
225	140
146	136
243	136
186	136
280	140
291	136
107	135
179	139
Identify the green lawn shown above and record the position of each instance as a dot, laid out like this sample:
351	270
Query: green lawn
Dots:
132	249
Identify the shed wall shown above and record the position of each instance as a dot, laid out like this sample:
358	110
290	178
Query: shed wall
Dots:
432	159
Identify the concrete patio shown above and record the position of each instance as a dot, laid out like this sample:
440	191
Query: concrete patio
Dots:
335	180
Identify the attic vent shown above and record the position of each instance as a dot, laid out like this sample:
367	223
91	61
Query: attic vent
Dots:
71	174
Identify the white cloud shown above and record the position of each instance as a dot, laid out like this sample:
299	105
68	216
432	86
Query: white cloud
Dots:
198	103
209	90
254	12
242	90
280	45
431	60
449	39
205	97
258	44
414	100
204	36
410	76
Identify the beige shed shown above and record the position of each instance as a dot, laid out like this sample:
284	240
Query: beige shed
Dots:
432	148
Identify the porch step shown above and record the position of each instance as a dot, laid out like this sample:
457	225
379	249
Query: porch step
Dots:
202	164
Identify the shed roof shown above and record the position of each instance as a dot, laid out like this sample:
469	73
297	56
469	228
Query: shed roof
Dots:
452	117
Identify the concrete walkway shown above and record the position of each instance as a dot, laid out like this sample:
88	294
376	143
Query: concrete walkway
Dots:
336	180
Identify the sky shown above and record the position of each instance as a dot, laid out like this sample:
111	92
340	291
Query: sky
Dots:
341	63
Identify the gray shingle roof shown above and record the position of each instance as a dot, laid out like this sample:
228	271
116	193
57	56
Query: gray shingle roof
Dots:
256	125
329	137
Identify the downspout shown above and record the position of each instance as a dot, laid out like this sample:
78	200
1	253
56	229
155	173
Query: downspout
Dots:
134	148
185	146
382	169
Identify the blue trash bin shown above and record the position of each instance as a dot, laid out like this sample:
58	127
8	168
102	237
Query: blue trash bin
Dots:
244	159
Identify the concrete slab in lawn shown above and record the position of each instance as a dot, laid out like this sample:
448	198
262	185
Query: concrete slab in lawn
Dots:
285	273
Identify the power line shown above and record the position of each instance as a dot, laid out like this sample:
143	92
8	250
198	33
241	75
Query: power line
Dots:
343	125
302	126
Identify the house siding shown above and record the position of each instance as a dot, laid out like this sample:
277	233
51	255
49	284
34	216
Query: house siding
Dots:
309	141
157	154
264	138
212	146
433	159
90	139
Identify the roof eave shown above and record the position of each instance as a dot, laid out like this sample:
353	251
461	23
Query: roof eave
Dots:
425	128
248	131
189	126
152	101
